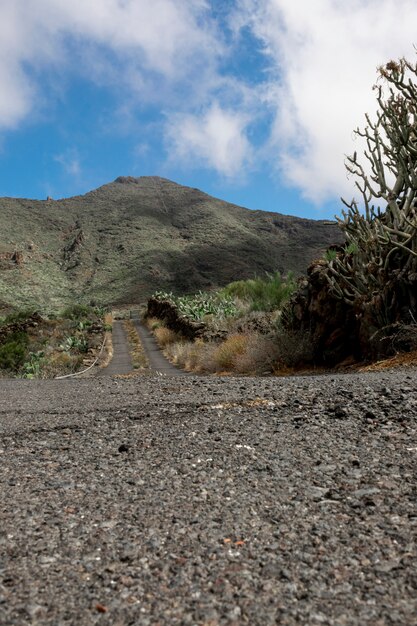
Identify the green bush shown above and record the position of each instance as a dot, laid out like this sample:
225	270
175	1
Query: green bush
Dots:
77	312
18	316
262	294
13	351
74	343
32	367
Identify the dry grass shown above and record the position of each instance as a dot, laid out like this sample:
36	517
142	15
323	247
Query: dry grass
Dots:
227	353
139	360
152	323
61	363
189	355
259	357
406	359
165	336
240	354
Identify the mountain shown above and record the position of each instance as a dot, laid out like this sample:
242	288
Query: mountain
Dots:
121	242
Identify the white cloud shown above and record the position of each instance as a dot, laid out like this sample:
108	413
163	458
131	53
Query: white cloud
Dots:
216	138
142	44
70	162
323	57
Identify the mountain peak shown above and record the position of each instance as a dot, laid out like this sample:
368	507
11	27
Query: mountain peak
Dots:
132	180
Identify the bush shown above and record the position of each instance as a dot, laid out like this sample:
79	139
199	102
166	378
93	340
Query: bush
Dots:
32	367
189	355
13	351
74	343
262	294
294	347
165	336
228	351
260	355
18	316
61	363
77	312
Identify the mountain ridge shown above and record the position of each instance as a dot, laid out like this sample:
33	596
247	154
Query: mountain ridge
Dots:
122	241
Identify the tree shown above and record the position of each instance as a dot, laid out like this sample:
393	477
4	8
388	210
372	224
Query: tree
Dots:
377	269
361	298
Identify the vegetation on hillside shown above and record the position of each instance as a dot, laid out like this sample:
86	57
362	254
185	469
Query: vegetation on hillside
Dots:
121	242
266	293
46	346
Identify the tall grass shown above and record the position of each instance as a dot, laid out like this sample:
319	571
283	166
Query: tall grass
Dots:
262	294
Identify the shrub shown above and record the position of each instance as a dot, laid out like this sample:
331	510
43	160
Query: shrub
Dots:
13	351
294	347
259	357
262	294
77	312
61	363
32	367
165	336
18	316
77	344
226	354
187	354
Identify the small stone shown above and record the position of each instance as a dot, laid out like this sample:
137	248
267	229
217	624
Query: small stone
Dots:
361	493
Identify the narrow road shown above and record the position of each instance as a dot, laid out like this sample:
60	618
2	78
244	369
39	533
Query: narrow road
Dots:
157	362
121	362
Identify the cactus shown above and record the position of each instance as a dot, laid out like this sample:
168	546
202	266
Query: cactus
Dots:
380	256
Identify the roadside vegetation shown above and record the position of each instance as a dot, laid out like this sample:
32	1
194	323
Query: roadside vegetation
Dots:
236	327
358	302
34	345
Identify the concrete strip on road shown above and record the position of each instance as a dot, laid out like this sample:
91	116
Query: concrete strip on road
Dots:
121	362
157	362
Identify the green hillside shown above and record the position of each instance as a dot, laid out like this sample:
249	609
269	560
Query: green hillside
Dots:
126	239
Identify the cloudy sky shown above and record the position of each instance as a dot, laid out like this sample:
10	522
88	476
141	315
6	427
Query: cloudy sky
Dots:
253	101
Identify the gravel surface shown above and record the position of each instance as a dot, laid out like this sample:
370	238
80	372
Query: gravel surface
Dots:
209	501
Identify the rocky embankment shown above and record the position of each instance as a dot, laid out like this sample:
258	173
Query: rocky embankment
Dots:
209	501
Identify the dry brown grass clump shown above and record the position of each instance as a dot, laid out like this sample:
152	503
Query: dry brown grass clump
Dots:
153	322
189	355
259	357
60	364
139	360
227	353
165	336
248	353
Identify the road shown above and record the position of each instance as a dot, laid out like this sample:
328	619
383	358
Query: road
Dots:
209	501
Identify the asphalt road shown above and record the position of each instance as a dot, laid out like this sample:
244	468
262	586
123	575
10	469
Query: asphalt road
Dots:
209	501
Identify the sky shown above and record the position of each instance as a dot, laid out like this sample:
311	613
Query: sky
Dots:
252	101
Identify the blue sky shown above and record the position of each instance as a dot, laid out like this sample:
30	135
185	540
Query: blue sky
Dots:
252	101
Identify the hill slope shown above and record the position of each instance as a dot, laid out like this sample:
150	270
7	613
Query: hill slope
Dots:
126	239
